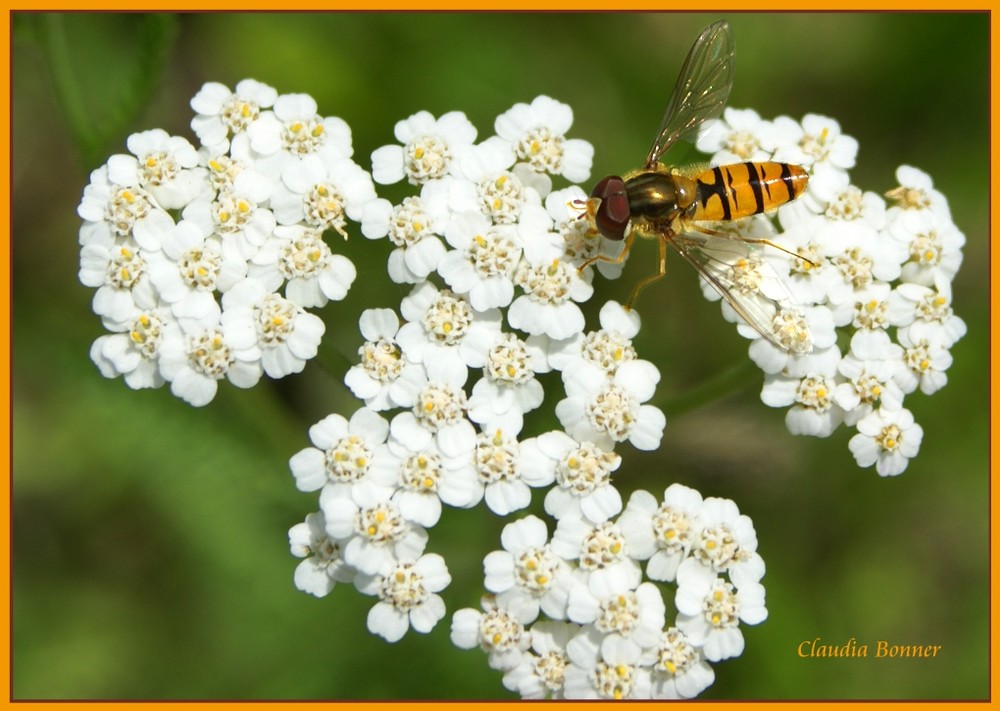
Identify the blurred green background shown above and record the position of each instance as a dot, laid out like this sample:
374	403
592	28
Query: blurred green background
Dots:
150	550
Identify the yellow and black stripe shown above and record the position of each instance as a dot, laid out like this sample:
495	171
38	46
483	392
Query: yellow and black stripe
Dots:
729	192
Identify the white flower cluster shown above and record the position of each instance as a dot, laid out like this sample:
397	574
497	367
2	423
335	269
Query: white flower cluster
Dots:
188	247
873	279
494	258
604	633
205	260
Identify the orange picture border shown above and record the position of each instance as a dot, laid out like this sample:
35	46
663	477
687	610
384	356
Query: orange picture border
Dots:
442	5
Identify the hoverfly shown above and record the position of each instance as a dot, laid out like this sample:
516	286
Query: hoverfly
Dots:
663	203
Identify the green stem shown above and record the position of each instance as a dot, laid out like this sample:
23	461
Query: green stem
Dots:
724	383
96	125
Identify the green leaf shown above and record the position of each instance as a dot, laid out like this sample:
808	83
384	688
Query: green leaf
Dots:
100	108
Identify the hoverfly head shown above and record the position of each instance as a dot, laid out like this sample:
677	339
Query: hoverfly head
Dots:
608	208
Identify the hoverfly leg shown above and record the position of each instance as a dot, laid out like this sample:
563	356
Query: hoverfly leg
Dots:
756	240
626	246
651	278
789	252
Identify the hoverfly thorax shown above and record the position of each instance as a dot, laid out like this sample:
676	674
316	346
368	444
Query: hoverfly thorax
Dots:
608	208
657	198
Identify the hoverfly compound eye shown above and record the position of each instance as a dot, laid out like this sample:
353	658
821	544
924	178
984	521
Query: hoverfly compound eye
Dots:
611	217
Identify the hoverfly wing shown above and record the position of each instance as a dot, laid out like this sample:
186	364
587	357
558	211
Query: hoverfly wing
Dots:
701	91
749	285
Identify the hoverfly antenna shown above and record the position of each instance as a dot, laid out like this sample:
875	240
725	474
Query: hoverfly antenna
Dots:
577	208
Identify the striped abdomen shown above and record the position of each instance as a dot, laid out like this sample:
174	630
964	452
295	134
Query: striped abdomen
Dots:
729	192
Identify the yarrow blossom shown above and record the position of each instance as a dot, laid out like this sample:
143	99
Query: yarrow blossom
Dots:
322	565
407	595
872	277
205	261
189	247
610	636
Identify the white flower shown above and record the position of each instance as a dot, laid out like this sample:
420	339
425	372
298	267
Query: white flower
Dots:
607	348
811	276
817	321
935	320
322	195
135	353
286	334
380	376
413	227
221	112
483	260
870	369
165	165
224	168
509	388
547	306
431	148
190	267
605	671
501	470
322	566
444	333
499	631
238	216
867	308
342	451
293	130
370	528
527	575
541	672
541	244
114	209
854	205
726	542
599	550
931	243
662	533
605	411
425	475
916	193
876	309
120	273
680	671
817	144
314	273
623	614
439	407
195	364
710	610
407	597
814	410
924	364
888	439
537	132
734	138
500	192
582	472
861	260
